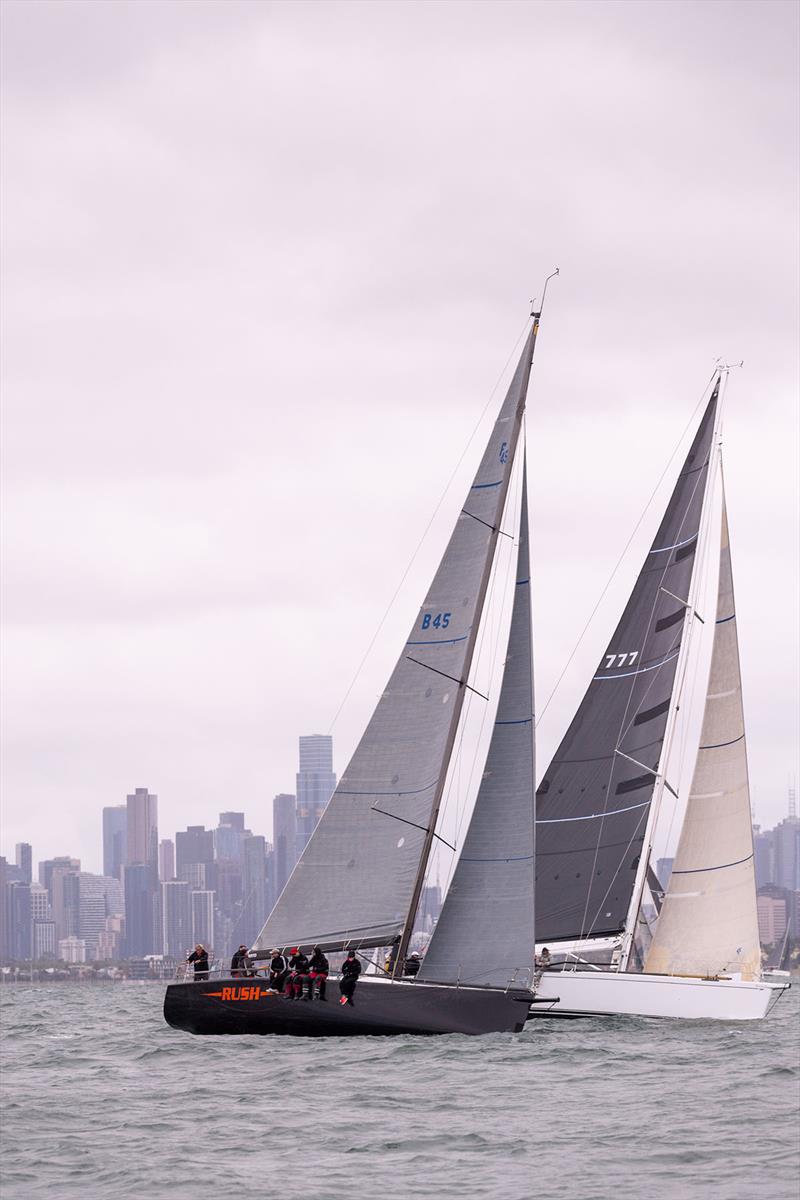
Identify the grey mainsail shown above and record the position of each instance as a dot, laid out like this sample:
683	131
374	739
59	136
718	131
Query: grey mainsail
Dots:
709	921
594	799
357	878
485	932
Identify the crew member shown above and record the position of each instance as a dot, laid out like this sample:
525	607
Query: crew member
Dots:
277	971
412	964
317	973
298	974
239	962
543	960
199	957
351	969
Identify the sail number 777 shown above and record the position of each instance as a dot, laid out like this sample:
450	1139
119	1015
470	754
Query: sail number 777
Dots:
622	660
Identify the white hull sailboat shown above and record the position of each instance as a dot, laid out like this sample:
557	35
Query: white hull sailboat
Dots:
600	800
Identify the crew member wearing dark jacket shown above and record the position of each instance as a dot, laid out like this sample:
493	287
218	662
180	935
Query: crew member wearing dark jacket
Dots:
298	974
318	968
351	969
277	971
412	964
240	963
199	957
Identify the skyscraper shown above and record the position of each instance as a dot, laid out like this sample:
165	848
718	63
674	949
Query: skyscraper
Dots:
142	831
115	840
786	836
100	896
176	918
316	784
166	859
203	919
284	836
254	888
24	859
139	911
228	837
19	922
195	845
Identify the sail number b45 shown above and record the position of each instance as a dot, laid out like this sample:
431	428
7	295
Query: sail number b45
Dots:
437	621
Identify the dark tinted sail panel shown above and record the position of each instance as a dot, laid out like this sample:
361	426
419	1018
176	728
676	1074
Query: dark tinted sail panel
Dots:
356	877
594	799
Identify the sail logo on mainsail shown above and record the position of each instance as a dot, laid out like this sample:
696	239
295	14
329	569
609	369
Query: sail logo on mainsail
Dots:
504	452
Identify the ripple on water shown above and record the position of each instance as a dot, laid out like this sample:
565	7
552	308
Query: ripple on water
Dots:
103	1099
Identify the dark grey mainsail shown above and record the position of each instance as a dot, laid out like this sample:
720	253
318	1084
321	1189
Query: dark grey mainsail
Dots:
359	876
485	932
594	799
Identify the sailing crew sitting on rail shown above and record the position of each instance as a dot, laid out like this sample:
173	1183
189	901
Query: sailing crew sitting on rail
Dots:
298	974
318	968
412	964
240	962
199	957
277	970
543	959
351	969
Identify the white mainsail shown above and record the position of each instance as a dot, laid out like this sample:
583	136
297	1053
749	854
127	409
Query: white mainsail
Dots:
708	922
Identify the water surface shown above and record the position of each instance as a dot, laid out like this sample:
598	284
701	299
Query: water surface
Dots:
102	1099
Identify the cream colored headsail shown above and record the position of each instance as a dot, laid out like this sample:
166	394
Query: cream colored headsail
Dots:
709	923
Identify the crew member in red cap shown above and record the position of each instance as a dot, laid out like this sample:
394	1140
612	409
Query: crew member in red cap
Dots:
298	974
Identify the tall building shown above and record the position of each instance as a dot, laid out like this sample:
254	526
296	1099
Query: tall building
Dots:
49	865
764	855
166	859
19	924
284	838
139	912
254	888
24	860
773	915
65	898
115	840
40	903
786	836
100	897
192	847
229	835
142	830
316	784
203	919
176	918
44	940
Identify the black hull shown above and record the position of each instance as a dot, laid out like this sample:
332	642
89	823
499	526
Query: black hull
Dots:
239	1006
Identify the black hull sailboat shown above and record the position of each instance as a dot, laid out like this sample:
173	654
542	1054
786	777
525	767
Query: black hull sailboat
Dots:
358	882
381	1008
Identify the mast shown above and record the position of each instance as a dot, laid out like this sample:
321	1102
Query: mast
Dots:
632	918
430	834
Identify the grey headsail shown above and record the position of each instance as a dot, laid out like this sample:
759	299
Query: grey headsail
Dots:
485	932
594	798
357	878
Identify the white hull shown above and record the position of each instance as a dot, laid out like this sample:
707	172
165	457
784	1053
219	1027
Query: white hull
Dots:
608	993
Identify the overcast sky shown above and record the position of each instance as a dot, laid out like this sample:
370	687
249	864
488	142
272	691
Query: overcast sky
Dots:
263	265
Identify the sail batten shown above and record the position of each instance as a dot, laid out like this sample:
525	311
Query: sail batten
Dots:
614	744
714	928
360	871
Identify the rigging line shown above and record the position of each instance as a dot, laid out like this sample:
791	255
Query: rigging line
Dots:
418	547
405	821
436	671
623	729
635	530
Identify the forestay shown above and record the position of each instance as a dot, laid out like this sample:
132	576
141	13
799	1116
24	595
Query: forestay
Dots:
593	802
485	932
355	879
709	921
